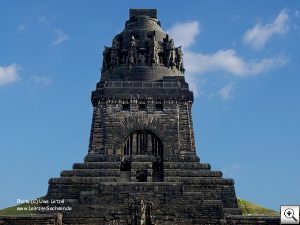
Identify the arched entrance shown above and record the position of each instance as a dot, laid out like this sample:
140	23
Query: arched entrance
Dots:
144	143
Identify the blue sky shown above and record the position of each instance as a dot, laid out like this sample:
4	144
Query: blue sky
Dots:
241	59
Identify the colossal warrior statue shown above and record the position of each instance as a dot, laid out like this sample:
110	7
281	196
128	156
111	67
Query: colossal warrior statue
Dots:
141	166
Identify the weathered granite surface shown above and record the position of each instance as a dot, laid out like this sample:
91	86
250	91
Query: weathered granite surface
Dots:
142	167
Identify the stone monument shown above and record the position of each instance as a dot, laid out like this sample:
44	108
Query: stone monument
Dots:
141	167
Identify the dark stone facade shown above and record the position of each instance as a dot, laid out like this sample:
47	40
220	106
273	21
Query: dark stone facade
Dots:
142	167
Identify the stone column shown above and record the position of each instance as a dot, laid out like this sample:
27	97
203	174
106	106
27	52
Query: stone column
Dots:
149	144
134	144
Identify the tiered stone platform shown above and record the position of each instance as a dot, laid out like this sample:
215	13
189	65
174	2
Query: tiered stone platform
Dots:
191	192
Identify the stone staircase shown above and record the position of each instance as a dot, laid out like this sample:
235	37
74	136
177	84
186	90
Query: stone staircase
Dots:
189	188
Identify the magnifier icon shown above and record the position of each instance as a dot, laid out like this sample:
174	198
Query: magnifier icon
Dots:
290	214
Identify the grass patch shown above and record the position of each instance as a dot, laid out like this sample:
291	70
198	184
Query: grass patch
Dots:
253	209
17	210
247	208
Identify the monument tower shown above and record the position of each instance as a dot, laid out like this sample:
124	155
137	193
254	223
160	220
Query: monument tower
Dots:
141	166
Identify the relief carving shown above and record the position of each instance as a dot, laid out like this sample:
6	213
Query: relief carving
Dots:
132	53
146	212
179	61
155	53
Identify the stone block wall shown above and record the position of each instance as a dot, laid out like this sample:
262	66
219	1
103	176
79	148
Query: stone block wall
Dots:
112	124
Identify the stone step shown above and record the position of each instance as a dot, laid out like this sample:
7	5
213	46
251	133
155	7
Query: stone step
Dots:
141	165
146	165
186	165
116	165
186	180
102	158
82	180
91	157
193	193
200	180
181	158
135	168
91	173
110	165
97	165
116	158
99	172
252	219
60	190
203	194
233	211
143	187
191	173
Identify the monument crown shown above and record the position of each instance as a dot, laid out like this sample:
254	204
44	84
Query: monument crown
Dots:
143	12
142	51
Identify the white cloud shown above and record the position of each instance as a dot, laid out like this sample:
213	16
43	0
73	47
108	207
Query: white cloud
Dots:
8	74
184	34
40	81
226	91
258	36
228	61
60	37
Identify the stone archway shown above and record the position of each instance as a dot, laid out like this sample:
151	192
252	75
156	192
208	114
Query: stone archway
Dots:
143	143
149	145
153	124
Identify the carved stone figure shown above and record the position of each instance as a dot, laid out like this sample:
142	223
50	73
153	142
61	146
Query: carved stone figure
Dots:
142	59
179	61
134	214
132	41
173	58
155	55
58	219
146	210
166	41
153	58
143	212
149	218
170	53
132	54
